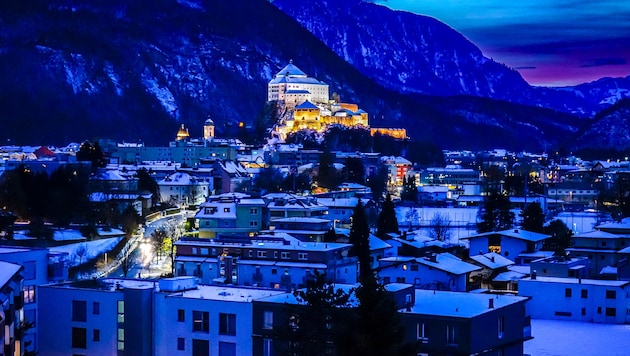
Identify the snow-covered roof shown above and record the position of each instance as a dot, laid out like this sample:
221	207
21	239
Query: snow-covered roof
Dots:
302	220
509	276
448	263
377	244
7	271
514	233
180	178
227	293
290	70
594	282
290	298
597	234
306	105
111	175
608	270
459	304
492	260
295	91
396	160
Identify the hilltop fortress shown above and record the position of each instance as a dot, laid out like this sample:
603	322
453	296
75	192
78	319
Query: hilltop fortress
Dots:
304	104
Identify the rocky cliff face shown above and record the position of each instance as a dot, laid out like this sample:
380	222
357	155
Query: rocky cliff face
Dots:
610	129
417	54
73	70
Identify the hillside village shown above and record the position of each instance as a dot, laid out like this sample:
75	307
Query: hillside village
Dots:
265	221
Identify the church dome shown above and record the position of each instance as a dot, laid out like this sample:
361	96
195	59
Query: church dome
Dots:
208	122
182	133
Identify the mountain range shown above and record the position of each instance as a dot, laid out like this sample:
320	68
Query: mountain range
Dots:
73	70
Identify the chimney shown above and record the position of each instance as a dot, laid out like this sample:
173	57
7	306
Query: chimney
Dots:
533	274
516	231
492	258
490	303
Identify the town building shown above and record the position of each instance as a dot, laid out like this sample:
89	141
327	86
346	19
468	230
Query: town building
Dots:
11	309
275	261
292	86
230	213
577	299
138	317
441	271
181	188
39	266
509	243
436	322
603	246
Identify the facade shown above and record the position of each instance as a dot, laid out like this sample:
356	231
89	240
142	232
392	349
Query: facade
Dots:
230	214
174	316
577	299
282	205
509	243
291	85
266	261
560	266
184	189
436	322
183	152
397	168
39	267
11	309
449	175
438	271
603	246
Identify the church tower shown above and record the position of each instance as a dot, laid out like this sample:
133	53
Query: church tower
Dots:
208	129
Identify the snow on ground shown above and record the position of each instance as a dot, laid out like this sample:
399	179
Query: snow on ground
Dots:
65	235
91	248
110	232
579	222
560	338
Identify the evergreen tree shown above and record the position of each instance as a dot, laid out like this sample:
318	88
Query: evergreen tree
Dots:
327	176
93	153
387	221
378	182
268	180
316	323
146	182
374	327
409	189
533	218
495	214
561	237
354	171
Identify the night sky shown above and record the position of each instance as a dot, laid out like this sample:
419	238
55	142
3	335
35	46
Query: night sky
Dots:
550	42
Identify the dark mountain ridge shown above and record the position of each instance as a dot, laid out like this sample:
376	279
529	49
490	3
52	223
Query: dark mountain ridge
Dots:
412	53
71	70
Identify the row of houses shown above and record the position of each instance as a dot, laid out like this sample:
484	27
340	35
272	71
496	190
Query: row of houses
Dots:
179	316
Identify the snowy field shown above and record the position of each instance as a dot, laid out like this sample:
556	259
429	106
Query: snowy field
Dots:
84	251
560	338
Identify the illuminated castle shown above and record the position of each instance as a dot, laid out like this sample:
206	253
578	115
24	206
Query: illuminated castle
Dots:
304	104
292	86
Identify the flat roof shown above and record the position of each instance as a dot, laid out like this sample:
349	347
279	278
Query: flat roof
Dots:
228	293
458	304
593	282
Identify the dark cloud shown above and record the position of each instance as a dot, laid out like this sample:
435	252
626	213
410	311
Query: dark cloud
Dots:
598	62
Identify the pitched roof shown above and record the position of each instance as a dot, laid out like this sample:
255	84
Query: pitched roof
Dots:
492	260
448	263
306	105
514	233
291	70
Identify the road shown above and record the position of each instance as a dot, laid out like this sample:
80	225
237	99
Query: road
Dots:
142	257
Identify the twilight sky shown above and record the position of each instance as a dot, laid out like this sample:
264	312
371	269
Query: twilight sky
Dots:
550	42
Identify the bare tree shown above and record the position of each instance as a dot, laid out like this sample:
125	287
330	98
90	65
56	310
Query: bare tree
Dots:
125	265
81	252
440	227
411	216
